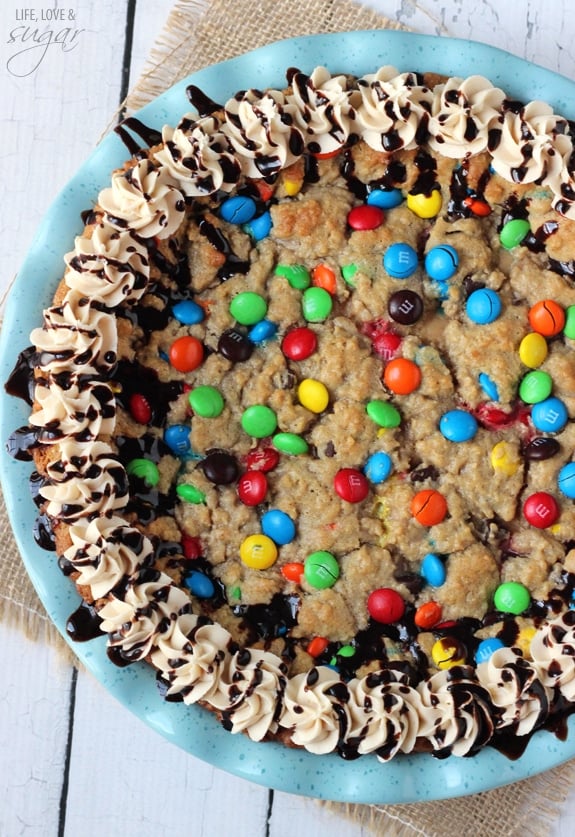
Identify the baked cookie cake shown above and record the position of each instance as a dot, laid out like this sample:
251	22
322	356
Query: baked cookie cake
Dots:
303	413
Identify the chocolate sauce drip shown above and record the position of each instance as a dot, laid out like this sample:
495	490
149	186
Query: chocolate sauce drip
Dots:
134	378
233	264
20	382
202	103
536	241
43	533
84	624
150	136
566	269
21	442
354	184
271	620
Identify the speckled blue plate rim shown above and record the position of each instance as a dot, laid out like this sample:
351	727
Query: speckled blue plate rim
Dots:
405	779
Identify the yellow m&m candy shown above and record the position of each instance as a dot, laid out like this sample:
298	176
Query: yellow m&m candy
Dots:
504	458
447	652
313	395
258	552
425	206
533	350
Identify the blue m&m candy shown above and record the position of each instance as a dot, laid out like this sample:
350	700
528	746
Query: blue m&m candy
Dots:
278	526
188	312
486	648
177	438
566	480
378	467
433	569
488	386
400	260
441	262
260	227
550	415
483	306
262	331
384	198
458	425
200	585
239	209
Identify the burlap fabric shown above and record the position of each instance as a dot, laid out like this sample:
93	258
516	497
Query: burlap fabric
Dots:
199	33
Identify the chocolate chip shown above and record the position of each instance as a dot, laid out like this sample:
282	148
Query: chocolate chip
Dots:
405	307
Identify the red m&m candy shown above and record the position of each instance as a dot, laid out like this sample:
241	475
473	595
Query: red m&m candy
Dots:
140	409
299	343
365	217
252	488
262	459
186	353
192	547
351	485
385	605
541	509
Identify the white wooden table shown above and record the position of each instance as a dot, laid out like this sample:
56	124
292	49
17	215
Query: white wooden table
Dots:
55	777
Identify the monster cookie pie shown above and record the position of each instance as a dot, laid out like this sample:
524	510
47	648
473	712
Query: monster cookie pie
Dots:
303	413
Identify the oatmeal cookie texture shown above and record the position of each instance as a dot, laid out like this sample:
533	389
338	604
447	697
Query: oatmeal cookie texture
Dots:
303	413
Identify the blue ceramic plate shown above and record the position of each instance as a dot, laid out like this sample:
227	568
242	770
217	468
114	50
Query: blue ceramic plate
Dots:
366	780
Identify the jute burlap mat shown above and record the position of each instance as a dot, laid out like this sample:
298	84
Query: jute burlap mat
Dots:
198	34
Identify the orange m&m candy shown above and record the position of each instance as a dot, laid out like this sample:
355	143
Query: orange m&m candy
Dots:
427	615
293	571
317	646
429	507
186	353
322	276
402	376
547	317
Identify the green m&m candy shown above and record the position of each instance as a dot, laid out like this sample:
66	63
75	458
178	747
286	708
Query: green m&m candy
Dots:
536	386
321	569
190	494
383	413
297	275
290	443
316	305
206	401
514	232
248	308
569	327
512	597
348	272
259	421
144	469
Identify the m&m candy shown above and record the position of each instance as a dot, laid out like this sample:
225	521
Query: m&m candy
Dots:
313	395
483	306
533	350
385	605
299	343
290	443
188	312
140	409
536	386
278	526
427	615
512	597
405	307
384	198
144	470
206	401
541	510
429	507
316	305
259	421
262	331
177	438
366	217
351	485
458	426
321	569
547	317
514	232
186	353
200	585
252	487
566	480
248	308
402	376
441	262
425	205
486	649
383	413
433	570
258	552
378	467
400	260
447	653
262	459
549	415
238	209
297	275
